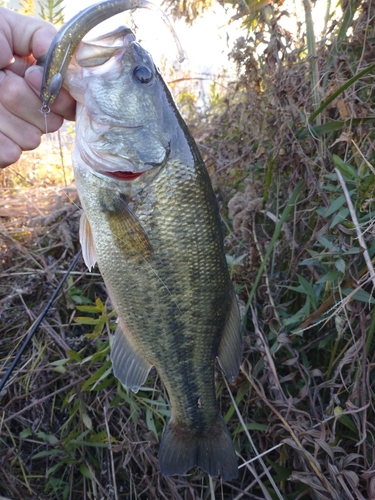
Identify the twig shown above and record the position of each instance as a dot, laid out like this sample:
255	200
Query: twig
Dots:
296	442
274	379
31	393
356	224
105	408
39	401
212	489
261	454
38	322
279	225
247	489
253	471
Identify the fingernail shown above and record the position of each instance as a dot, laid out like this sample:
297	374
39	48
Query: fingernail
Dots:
2	75
34	76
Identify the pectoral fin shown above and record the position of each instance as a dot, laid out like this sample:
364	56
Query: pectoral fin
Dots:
129	366
127	229
230	349
87	242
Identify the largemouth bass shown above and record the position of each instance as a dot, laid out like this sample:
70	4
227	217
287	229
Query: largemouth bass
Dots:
151	222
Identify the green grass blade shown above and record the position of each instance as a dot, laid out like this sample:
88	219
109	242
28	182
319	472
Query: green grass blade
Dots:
347	20
311	48
329	127
339	91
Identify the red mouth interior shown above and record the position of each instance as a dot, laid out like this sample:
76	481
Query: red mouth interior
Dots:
124	176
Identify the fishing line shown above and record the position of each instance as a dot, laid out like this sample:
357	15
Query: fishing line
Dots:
45	110
39	320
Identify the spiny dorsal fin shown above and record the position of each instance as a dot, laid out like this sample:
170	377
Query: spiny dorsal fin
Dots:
230	349
126	227
87	242
129	366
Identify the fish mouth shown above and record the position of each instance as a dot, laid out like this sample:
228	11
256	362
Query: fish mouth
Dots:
123	175
110	166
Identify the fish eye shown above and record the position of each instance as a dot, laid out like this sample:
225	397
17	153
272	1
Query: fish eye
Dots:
143	74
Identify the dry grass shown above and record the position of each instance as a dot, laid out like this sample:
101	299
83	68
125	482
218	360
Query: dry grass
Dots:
301	411
49	165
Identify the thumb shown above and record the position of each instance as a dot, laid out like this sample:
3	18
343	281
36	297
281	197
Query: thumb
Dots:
65	105
34	77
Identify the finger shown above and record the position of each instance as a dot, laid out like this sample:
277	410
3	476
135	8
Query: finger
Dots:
26	34
6	54
19	101
10	151
8	60
21	133
65	105
20	64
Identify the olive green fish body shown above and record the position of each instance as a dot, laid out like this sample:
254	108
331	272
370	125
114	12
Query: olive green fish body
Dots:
174	299
152	224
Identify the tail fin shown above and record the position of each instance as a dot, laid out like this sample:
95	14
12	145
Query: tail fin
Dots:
213	452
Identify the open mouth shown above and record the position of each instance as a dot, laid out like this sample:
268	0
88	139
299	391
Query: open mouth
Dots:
124	176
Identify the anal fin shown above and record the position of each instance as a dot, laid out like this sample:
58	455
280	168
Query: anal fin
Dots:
129	366
230	349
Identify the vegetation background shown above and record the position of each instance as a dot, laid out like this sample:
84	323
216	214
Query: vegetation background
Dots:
290	147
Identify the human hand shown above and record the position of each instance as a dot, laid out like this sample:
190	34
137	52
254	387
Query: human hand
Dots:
23	40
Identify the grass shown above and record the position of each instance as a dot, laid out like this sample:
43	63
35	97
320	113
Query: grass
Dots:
294	173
